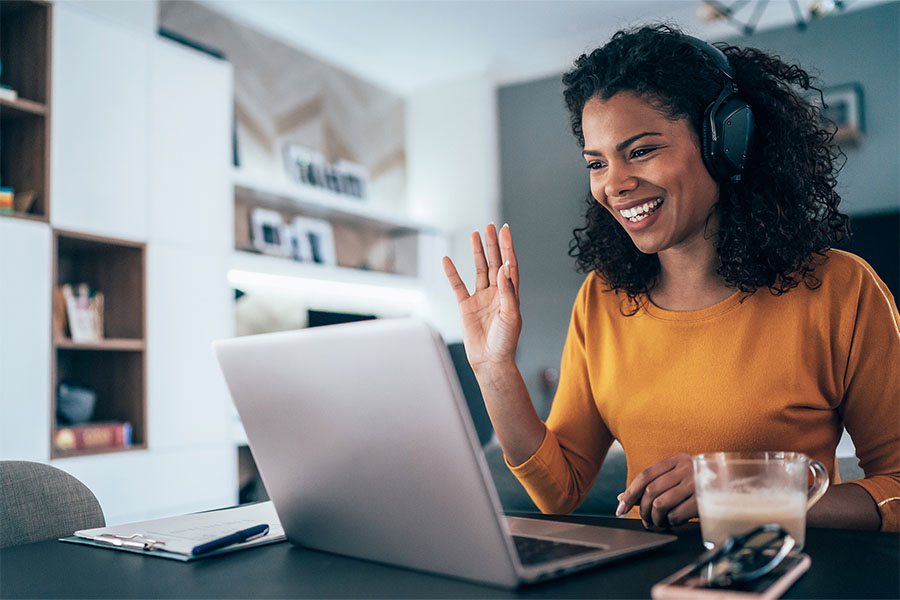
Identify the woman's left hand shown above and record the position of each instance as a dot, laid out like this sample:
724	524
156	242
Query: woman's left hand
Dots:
664	491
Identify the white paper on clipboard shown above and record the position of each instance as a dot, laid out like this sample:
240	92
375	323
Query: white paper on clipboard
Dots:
176	537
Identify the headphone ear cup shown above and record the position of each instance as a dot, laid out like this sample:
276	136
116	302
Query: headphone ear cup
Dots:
734	124
706	144
725	153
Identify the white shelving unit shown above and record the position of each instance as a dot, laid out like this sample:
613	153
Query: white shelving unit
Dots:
318	202
250	262
138	160
410	241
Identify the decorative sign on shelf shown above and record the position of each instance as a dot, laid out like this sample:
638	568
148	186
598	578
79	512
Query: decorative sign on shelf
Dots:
310	167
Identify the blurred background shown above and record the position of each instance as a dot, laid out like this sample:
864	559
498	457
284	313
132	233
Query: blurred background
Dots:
175	172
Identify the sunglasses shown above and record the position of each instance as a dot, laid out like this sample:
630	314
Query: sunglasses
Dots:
745	557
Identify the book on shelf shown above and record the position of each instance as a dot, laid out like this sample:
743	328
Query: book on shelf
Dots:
23	201
59	321
84	312
6	200
93	436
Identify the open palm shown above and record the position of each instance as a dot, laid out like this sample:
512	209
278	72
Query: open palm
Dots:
490	316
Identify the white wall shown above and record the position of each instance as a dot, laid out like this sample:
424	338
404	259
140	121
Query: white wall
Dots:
453	174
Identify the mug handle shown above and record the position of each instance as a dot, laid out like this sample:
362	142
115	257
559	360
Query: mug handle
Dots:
820	483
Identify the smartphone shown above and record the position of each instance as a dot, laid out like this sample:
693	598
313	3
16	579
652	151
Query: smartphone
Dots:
689	584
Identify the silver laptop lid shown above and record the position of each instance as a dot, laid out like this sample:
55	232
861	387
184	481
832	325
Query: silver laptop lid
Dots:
366	446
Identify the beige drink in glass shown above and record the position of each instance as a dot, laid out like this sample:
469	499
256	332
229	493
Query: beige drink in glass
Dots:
737	492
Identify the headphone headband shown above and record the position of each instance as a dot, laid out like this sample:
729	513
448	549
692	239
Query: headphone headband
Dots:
715	54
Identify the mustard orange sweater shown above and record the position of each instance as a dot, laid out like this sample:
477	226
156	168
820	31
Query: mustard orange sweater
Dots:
762	372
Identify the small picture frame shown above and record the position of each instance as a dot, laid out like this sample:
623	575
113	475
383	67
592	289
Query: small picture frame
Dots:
332	179
314	241
843	105
267	232
301	246
310	167
353	179
304	165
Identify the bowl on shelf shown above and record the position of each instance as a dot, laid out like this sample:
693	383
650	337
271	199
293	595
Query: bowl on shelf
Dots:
74	404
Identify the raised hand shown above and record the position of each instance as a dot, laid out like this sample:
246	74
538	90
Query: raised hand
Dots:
490	316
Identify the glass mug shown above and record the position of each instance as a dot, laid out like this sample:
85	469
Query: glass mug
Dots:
738	491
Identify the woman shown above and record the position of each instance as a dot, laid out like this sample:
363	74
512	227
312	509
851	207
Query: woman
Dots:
714	316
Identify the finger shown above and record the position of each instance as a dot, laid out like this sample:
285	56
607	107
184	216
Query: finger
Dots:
667	491
509	301
495	261
663	506
481	265
633	494
651	498
684	512
456	282
508	255
652	493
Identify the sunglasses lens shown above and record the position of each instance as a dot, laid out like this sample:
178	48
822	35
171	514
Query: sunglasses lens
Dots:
750	556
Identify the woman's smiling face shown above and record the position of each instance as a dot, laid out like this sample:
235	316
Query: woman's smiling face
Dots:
646	170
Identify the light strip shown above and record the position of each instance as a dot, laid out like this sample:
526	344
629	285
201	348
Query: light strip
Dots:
309	286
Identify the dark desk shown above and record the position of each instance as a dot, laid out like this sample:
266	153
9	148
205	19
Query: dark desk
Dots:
845	564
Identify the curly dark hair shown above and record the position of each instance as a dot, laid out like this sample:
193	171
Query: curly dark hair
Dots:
776	220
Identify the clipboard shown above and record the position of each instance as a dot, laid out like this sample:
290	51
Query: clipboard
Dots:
176	537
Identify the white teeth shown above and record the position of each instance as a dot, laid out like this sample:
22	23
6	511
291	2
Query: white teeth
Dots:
639	213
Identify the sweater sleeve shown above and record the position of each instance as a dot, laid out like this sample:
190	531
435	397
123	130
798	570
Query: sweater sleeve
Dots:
561	472
871	404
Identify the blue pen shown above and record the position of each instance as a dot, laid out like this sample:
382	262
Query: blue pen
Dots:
238	537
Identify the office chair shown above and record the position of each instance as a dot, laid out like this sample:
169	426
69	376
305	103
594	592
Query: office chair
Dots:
38	502
849	469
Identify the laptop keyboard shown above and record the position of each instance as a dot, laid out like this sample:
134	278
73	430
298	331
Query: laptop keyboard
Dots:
534	551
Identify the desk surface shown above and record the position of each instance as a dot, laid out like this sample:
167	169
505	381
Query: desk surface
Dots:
845	564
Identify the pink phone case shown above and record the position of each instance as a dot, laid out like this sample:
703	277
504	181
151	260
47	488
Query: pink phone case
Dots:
670	587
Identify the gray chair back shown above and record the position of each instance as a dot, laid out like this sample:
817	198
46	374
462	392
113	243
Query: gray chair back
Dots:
38	502
849	469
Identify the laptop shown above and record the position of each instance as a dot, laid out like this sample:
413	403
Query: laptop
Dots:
366	448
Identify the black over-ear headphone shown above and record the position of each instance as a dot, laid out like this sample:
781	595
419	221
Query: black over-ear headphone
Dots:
727	125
